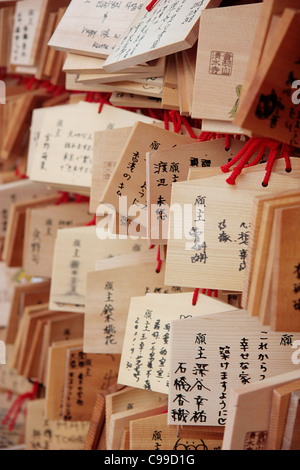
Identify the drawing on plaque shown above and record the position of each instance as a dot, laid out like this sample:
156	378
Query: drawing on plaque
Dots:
221	63
256	440
268	104
183	444
236	104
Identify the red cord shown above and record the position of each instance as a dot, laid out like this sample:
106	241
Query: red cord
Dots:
166	120
64	198
92	222
151	5
15	408
176	119
79	198
250	148
159	261
188	127
195	296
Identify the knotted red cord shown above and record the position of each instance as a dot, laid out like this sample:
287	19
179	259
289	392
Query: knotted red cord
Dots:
250	148
15	408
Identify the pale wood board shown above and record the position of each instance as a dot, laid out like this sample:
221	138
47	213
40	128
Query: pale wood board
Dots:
75	253
129	175
108	146
170	31
109	291
154	312
225	40
249	412
93	29
195	263
279	410
85	376
276	121
40	234
153	433
42	434
291	432
240	354
165	167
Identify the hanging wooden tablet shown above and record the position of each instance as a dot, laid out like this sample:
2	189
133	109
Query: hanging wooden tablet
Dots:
285	285
109	291
279	409
97	422
273	93
248	353
15	192
129	175
42	434
7	283
14	241
215	240
64	152
128	404
40	233
86	375
165	167
76	63
162	31
19	354
249	413
93	29
28	16
270	10
154	433
134	101
75	253
261	226
222	60
291	431
108	146
56	372
146	348
25	294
